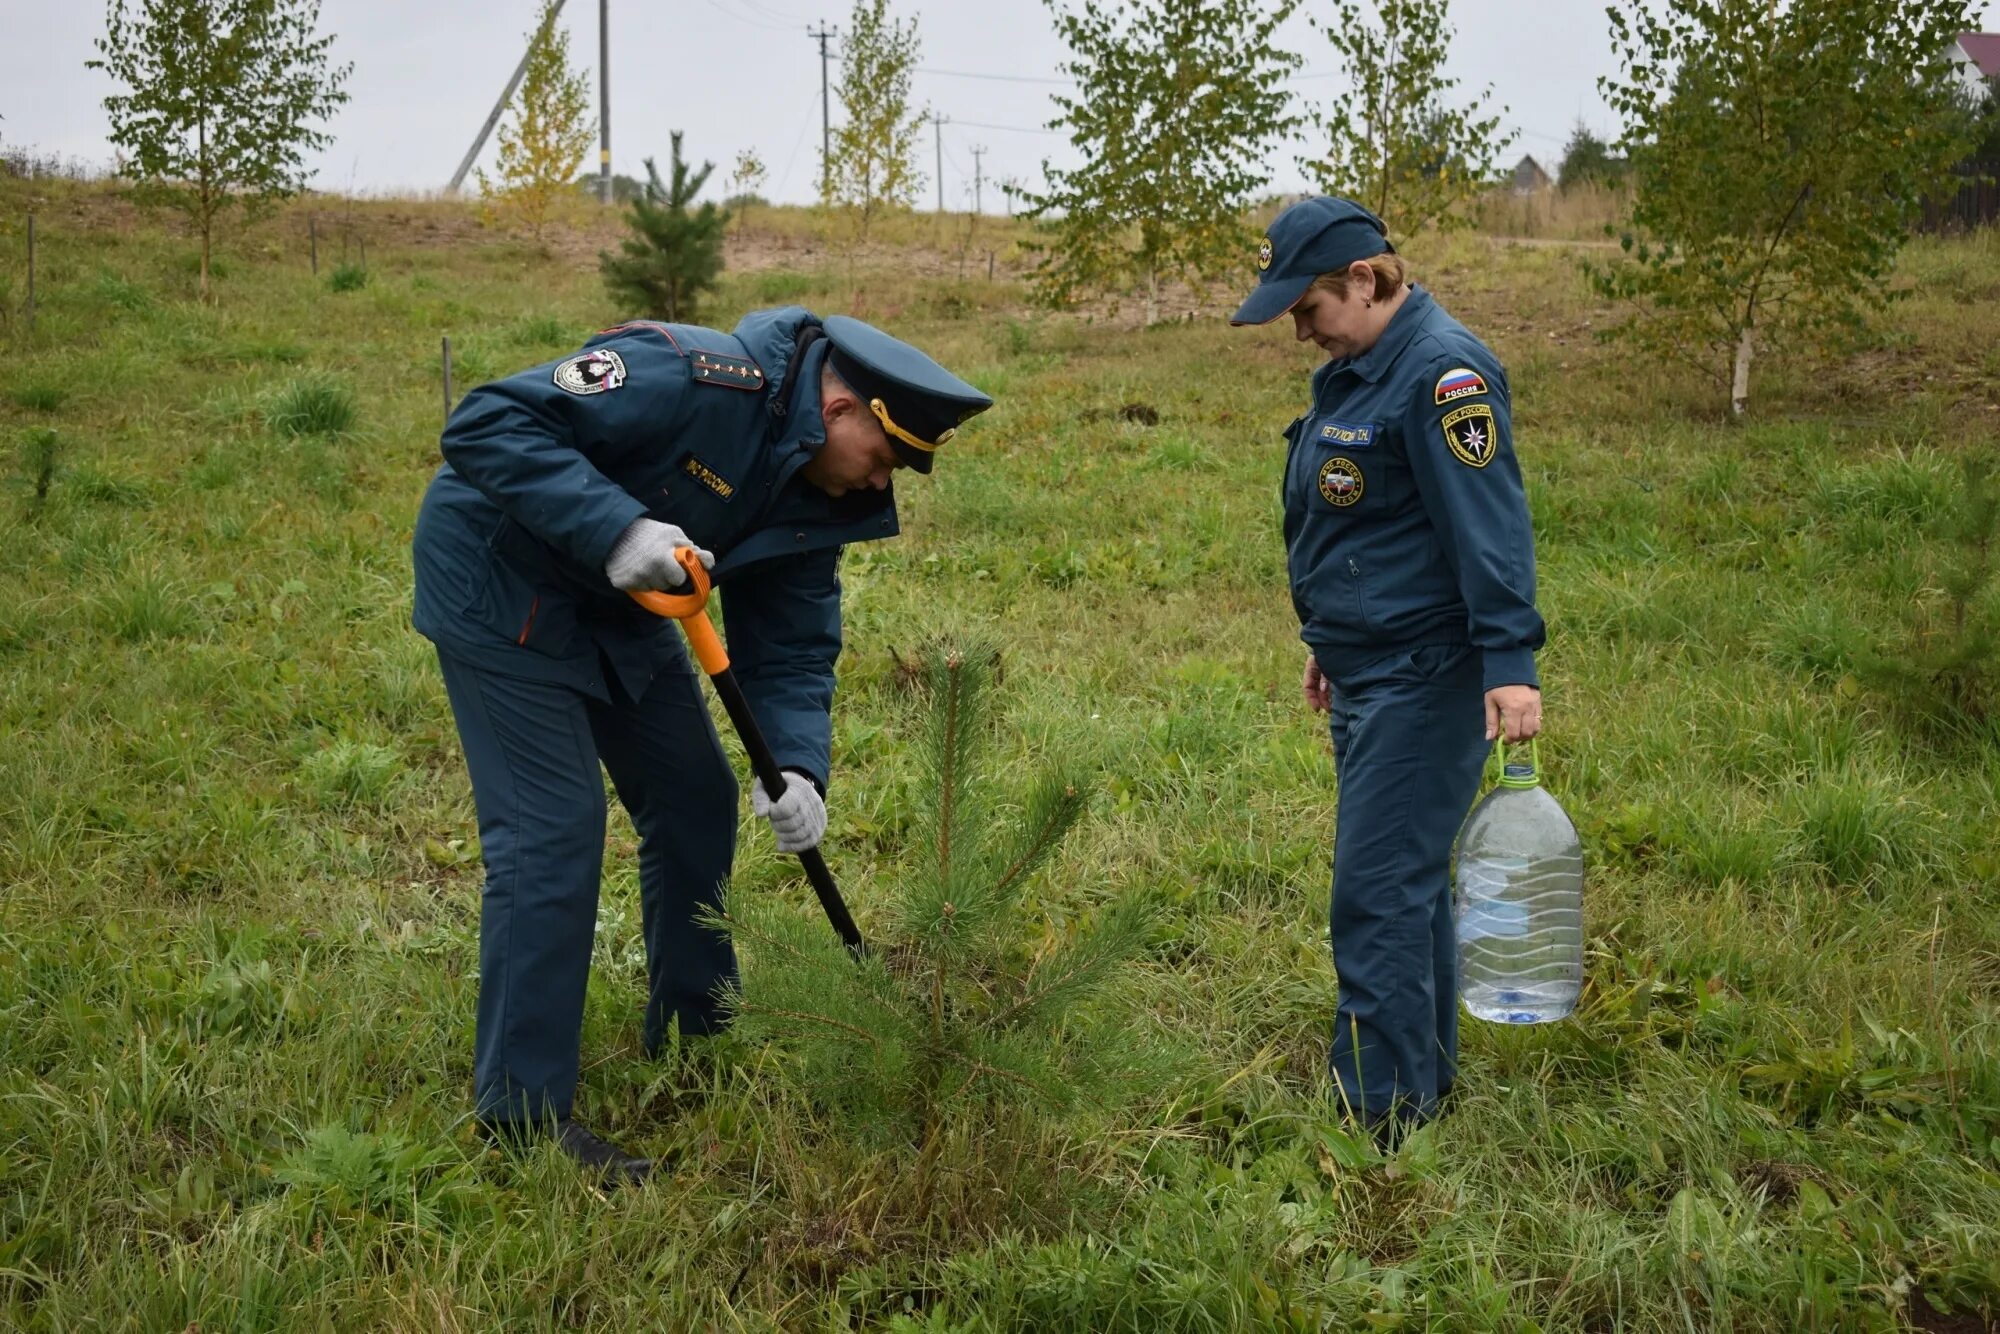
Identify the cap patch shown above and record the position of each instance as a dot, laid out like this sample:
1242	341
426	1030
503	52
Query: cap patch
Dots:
736	372
1460	383
598	371
1264	255
1357	435
1340	482
708	477
1470	433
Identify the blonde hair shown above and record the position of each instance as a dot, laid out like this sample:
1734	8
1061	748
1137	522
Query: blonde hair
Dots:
1389	276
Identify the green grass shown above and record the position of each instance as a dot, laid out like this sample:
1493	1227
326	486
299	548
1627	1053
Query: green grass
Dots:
238	929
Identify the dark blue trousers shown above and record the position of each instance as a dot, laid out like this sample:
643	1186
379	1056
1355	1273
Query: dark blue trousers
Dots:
1409	732
534	748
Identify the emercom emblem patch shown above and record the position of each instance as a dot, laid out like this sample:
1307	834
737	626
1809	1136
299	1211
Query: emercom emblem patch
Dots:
708	477
597	371
1340	482
1461	383
1469	432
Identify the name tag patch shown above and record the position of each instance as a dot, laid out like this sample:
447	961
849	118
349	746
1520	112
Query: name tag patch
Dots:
708	477
1355	435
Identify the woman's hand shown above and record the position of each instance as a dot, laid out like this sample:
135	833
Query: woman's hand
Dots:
1514	710
1319	690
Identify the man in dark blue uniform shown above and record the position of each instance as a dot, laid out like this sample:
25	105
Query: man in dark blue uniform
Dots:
1413	574
564	487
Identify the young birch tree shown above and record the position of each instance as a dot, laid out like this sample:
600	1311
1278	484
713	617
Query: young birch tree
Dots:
1393	142
550	131
1778	155
217	98
1177	103
874	153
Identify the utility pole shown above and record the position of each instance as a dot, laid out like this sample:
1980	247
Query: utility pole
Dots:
978	174
493	117
937	132
604	101
822	35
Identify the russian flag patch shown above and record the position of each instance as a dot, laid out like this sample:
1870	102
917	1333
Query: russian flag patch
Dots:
1460	383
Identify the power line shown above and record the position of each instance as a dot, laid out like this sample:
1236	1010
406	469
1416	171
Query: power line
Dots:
804	122
728	10
1017	129
996	78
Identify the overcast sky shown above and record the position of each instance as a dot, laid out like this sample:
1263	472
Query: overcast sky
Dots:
737	74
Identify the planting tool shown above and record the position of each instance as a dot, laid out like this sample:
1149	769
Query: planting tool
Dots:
691	610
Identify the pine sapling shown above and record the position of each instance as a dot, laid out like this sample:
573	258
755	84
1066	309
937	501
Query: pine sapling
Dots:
962	1009
675	252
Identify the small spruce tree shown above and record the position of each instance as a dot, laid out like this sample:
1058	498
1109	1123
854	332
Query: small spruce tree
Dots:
960	1005
1945	676
675	254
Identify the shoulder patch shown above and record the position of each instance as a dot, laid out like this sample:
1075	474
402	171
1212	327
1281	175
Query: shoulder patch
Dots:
1469	432
708	477
1460	382
1355	435
598	371
736	372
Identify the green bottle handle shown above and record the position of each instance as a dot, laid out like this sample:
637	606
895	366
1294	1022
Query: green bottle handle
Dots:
1499	759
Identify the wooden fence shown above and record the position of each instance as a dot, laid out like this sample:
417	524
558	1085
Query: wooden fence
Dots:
1975	204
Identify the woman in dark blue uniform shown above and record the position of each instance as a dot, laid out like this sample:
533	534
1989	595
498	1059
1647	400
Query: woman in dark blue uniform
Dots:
1413	574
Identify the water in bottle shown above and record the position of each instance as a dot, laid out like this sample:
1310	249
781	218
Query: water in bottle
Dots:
1519	905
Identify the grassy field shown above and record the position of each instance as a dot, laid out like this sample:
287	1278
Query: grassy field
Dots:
240	877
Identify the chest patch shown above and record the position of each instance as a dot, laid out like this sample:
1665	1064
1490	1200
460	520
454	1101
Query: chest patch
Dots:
1340	482
1461	383
1469	433
736	372
598	371
708	477
1355	435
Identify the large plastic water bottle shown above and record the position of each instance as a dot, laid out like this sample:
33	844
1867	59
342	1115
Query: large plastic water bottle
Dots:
1519	905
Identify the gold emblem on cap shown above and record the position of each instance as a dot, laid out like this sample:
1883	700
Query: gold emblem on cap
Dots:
1264	255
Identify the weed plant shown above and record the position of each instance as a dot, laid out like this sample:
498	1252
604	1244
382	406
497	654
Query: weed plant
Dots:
347	277
311	405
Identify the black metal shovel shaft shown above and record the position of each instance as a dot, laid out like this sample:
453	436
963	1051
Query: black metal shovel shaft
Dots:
765	766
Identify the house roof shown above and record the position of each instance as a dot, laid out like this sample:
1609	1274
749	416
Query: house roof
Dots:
1983	49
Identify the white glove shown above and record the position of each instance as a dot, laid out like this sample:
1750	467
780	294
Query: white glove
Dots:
798	818
643	557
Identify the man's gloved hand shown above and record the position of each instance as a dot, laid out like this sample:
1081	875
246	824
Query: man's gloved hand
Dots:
642	559
798	818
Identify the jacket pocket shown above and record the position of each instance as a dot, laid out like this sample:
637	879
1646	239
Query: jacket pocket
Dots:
522	611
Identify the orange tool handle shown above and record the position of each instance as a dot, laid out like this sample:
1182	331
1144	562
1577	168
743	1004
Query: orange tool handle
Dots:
691	610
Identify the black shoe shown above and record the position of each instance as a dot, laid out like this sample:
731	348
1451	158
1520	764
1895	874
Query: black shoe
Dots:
611	1164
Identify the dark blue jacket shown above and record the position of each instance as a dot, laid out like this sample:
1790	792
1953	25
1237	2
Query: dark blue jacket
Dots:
702	429
1405	521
